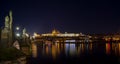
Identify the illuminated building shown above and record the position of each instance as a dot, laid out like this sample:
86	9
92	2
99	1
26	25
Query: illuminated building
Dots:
112	37
69	37
57	33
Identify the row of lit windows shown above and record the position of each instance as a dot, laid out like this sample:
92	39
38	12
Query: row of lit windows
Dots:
62	35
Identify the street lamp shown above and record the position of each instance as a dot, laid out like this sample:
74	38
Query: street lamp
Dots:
18	34
17	28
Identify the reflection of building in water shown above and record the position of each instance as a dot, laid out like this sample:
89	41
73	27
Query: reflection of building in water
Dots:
81	48
48	49
67	48
116	48
55	51
108	48
72	49
77	49
119	48
34	50
52	49
62	46
90	46
58	48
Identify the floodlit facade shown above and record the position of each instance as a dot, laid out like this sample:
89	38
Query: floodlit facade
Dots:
64	37
58	34
113	38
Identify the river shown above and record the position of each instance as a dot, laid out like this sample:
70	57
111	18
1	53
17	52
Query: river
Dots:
75	53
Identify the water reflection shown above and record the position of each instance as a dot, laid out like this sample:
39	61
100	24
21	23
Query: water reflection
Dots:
91	51
72	49
113	48
116	49
34	50
108	48
53	50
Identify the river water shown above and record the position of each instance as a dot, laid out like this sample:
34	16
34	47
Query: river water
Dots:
75	53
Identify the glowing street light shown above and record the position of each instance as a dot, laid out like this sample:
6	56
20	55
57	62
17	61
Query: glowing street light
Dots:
17	28
18	35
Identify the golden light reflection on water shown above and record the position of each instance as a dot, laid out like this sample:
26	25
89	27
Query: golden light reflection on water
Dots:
90	46
82	49
70	49
113	48
108	48
119	49
47	50
55	49
34	50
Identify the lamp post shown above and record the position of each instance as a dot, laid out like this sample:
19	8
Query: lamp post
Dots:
17	28
17	34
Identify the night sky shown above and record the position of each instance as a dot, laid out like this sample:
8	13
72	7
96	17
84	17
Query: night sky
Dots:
85	16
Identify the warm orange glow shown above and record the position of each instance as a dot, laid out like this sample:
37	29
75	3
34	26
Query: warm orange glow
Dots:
119	49
34	50
116	38
54	51
90	47
107	48
82	45
47	50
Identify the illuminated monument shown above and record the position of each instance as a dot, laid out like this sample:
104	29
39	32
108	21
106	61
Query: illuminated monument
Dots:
7	31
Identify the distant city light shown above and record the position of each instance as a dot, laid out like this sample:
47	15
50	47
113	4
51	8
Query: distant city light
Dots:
17	28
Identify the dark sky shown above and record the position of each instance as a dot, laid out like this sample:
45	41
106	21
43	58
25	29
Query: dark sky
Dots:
84	16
